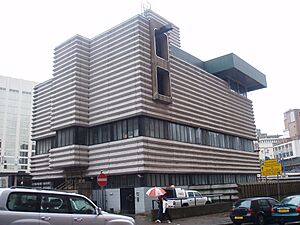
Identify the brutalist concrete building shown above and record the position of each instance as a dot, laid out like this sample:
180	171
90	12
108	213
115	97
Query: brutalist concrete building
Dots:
131	103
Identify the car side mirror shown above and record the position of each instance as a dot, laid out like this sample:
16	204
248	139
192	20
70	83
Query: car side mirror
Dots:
99	211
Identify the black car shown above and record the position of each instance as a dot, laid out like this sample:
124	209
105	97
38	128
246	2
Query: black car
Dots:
256	210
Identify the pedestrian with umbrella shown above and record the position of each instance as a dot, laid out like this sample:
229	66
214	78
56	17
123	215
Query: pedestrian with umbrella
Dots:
162	203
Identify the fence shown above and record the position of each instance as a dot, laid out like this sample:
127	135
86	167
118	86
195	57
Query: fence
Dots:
270	188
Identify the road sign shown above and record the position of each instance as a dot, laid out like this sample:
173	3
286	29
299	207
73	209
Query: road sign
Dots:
271	167
102	179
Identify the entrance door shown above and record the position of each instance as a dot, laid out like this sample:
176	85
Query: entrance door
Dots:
127	200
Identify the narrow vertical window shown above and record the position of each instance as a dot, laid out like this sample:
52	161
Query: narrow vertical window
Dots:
161	45
163	82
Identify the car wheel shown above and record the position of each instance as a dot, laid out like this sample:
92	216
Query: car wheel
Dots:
207	203
260	220
236	223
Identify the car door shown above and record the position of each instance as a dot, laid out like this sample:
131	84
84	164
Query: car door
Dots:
84	213
200	199
191	198
23	209
265	207
55	210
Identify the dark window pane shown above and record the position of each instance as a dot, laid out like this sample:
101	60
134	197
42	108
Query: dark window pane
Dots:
124	129
156	128
151	122
136	127
130	128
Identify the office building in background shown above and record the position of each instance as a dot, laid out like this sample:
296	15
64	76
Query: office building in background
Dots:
15	126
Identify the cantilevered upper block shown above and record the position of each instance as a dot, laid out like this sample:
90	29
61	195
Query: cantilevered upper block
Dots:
234	68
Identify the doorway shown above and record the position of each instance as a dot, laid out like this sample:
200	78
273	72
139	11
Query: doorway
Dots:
127	200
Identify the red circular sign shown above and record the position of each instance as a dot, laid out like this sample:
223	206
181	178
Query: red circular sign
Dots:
102	179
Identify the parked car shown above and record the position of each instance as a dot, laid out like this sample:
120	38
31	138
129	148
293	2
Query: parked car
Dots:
287	211
19	206
178	197
256	210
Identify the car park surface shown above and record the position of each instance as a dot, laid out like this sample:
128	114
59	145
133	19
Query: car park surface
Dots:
287	211
20	206
256	210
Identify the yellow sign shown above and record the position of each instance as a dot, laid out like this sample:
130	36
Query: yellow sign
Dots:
271	167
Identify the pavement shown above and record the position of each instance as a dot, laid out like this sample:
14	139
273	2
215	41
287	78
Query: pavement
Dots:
212	219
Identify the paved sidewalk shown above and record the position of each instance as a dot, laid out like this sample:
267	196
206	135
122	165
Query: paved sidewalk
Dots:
213	219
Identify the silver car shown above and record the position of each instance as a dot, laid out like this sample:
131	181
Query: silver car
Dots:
20	206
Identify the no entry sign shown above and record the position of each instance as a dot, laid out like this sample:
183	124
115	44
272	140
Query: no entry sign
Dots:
102	179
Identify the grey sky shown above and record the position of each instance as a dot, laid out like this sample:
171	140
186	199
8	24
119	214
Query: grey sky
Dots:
265	33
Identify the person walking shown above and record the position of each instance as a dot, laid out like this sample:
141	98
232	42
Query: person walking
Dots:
160	209
165	210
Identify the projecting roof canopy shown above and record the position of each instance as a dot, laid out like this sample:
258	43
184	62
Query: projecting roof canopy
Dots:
234	68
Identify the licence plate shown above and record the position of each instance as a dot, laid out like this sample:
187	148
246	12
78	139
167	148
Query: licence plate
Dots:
283	210
238	217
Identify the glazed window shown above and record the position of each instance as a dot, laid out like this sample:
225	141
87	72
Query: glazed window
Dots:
161	45
163	82
23	202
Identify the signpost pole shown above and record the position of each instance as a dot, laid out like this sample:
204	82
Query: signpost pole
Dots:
102	181
102	197
278	187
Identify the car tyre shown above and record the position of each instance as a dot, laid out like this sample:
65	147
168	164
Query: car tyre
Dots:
260	220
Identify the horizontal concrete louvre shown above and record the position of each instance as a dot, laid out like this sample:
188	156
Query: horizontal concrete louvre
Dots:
40	119
41	111
74	155
115	97
83	106
41	135
123	83
40	124
112	48
212	107
205	152
186	117
126	109
74	66
114	32
129	54
42	91
209	83
113	76
181	158
224	119
75	52
80	65
67	47
105	108
174	35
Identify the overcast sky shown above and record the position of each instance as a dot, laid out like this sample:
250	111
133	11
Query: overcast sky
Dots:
264	33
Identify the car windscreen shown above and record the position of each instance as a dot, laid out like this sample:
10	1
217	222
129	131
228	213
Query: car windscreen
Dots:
293	200
243	203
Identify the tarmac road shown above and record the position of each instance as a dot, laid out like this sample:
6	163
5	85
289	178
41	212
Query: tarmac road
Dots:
212	219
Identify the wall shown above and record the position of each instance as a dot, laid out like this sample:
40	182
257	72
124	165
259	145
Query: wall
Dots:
196	211
110	196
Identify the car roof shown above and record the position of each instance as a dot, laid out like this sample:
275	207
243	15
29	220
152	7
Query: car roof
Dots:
36	190
254	198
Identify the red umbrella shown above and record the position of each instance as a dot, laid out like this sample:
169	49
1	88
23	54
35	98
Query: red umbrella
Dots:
155	191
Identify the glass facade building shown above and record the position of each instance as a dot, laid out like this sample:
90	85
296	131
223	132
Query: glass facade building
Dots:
16	147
